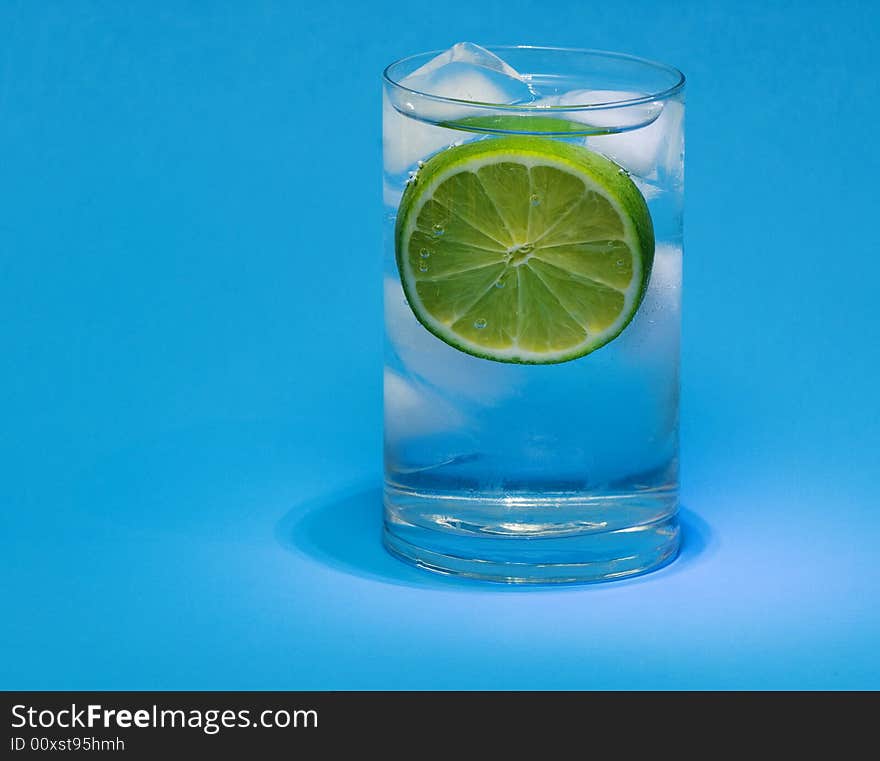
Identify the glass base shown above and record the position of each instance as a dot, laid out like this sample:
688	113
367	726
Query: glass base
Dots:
536	553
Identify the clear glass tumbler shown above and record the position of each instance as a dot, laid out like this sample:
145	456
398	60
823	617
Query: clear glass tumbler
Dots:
532	282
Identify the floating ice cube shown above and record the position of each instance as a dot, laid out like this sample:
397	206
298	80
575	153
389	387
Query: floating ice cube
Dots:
617	117
464	72
405	141
665	286
412	410
442	366
652	140
647	150
653	335
648	189
469	72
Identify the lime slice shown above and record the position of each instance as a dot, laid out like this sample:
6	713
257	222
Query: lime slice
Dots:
523	249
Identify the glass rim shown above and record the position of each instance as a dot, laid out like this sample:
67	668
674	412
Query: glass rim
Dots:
664	94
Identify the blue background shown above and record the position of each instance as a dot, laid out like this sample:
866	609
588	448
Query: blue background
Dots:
190	331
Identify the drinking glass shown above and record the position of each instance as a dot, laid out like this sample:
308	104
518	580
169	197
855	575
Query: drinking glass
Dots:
533	205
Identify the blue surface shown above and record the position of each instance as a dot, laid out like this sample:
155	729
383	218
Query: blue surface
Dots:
190	329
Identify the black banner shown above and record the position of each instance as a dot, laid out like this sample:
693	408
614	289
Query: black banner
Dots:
282	724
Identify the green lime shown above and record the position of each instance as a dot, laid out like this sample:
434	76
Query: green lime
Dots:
523	249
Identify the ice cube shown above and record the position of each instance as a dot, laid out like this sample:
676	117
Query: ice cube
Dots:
653	335
464	72
412	410
437	363
618	117
469	72
405	141
648	189
650	149
651	141
665	286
